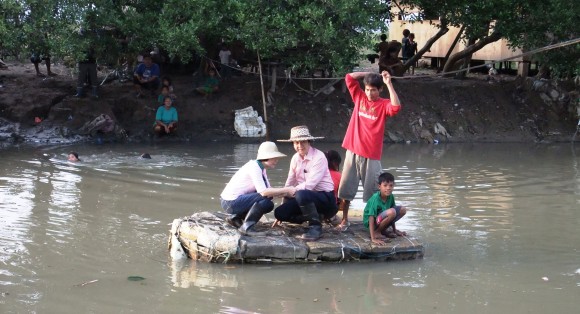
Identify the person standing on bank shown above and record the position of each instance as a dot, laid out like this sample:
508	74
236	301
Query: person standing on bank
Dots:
88	61
363	140
310	176
248	195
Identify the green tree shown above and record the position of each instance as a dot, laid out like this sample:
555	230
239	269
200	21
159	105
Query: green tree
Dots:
525	24
304	33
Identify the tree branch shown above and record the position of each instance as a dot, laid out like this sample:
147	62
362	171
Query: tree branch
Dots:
495	36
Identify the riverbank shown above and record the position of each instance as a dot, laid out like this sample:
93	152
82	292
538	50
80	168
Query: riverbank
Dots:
478	109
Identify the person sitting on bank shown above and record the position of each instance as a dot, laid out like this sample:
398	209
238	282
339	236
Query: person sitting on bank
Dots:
166	82
391	62
310	176
248	195
211	84
163	95
146	76
166	118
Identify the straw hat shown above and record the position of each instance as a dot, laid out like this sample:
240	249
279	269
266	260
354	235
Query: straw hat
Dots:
268	150
300	133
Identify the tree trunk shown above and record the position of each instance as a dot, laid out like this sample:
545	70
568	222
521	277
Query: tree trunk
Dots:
468	51
274	77
466	62
442	31
452	47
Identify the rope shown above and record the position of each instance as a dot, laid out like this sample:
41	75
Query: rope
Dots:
545	48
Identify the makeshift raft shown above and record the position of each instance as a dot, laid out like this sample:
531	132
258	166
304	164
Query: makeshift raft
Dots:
207	237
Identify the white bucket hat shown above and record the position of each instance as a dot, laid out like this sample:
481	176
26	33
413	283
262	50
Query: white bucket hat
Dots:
300	133
268	150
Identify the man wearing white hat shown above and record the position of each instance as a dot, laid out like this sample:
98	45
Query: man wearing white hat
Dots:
310	176
248	195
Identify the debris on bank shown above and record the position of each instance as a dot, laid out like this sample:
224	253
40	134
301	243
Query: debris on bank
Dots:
207	237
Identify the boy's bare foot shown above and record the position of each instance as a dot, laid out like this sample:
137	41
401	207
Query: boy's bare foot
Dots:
343	226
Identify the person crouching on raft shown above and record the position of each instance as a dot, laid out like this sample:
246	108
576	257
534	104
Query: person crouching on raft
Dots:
248	195
310	176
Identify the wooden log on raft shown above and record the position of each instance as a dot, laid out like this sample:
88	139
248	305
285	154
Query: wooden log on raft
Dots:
207	237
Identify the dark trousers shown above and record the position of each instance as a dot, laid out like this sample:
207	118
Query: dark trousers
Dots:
242	204
152	85
290	211
91	70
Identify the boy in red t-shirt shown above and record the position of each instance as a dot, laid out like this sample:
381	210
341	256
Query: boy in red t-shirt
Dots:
364	136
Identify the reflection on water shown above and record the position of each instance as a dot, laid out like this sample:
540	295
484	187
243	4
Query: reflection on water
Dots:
499	222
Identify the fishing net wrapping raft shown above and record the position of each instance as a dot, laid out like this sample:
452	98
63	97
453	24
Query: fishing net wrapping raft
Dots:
205	237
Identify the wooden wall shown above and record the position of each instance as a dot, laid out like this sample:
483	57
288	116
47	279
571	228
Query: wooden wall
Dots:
424	30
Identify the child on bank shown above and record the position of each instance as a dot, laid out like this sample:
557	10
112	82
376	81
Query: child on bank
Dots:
164	93
381	211
166	82
211	84
363	140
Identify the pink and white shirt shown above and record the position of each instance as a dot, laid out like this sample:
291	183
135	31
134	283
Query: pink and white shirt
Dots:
310	172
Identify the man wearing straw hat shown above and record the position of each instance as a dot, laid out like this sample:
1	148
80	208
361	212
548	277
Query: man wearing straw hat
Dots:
248	195
310	176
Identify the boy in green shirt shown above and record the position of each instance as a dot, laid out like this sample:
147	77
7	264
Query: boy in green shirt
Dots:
381	211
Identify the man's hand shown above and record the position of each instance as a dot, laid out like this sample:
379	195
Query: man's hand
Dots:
291	191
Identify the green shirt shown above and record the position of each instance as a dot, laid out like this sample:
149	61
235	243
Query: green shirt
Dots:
375	206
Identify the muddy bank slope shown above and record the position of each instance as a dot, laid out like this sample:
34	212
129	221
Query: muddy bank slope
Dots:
436	109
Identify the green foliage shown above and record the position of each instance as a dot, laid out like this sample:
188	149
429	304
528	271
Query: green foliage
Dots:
308	34
305	33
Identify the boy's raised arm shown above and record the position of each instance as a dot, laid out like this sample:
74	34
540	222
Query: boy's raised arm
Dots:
392	93
358	75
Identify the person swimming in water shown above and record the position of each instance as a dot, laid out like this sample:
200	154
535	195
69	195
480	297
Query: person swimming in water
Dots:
73	157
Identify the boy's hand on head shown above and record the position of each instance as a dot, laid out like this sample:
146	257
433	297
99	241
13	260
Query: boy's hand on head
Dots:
386	77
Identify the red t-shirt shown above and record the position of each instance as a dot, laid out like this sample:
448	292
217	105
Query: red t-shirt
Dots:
335	175
364	135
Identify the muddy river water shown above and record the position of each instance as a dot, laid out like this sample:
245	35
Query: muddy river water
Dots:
500	224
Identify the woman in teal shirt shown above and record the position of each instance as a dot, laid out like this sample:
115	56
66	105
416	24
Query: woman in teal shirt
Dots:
166	118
